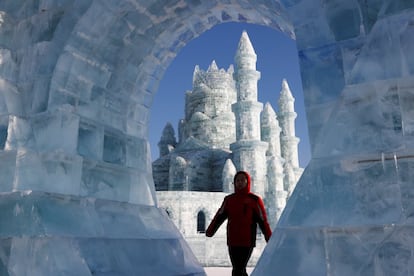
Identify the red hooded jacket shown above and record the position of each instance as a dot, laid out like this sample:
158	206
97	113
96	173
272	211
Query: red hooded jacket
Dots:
244	210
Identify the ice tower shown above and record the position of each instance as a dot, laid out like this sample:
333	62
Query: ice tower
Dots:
225	129
289	141
77	80
249	151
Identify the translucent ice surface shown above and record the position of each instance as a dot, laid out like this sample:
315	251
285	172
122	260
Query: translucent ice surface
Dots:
47	233
77	80
352	211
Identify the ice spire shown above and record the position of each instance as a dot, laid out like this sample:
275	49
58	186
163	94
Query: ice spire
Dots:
245	57
247	109
213	66
270	130
286	89
286	100
245	47
247	112
287	116
287	110
196	73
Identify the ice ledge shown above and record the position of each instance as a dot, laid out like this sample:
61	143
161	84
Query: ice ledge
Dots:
51	234
40	214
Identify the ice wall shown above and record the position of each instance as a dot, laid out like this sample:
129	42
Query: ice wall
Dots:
352	212
77	79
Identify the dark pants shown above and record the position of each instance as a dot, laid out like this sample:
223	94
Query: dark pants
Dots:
239	257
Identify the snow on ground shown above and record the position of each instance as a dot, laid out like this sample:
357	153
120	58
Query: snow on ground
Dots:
222	271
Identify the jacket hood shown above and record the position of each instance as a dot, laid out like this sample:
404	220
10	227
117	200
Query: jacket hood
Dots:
246	189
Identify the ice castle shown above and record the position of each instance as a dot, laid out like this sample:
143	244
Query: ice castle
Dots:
226	129
77	81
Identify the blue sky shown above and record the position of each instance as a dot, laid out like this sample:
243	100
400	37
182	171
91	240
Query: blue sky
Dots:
276	59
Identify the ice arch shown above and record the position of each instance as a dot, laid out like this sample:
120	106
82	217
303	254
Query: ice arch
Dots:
77	79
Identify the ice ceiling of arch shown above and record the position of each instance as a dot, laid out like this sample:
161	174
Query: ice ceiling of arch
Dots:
147	37
123	47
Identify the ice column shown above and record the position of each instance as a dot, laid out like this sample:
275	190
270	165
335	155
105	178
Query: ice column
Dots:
76	191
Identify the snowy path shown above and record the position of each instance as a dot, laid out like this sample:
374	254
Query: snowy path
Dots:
222	271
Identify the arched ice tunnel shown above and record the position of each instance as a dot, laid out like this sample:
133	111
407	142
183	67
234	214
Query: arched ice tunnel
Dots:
77	81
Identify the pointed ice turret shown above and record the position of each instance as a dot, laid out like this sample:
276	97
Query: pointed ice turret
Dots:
229	171
249	152
247	109
287	116
213	67
285	92
195	73
245	60
287	112
288	140
167	142
245	55
270	130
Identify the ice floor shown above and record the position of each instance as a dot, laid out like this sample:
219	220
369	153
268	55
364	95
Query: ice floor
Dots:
222	271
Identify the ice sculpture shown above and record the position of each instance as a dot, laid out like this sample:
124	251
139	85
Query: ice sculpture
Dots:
76	190
352	212
77	79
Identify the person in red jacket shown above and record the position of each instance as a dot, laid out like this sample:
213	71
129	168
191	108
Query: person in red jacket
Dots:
243	210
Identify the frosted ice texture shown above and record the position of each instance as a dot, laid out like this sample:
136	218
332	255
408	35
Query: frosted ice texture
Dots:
63	235
76	190
208	115
352	211
100	62
219	118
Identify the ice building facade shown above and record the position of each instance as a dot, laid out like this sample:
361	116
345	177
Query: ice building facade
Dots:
77	80
226	129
